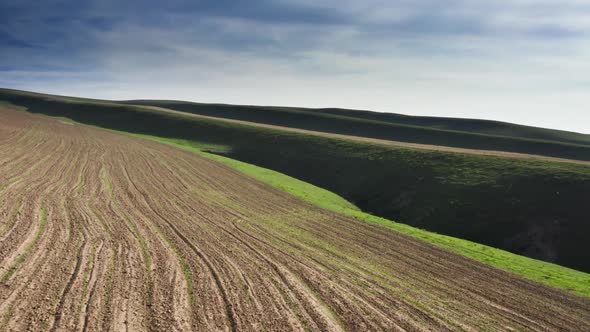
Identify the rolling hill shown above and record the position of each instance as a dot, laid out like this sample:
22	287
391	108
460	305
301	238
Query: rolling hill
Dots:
527	206
101	231
458	133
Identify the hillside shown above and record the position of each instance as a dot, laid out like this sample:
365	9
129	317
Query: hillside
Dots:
535	208
459	133
107	232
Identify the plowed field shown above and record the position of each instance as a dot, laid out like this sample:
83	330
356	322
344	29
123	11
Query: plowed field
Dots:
100	231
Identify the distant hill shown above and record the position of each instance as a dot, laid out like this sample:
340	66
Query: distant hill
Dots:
488	127
452	132
531	207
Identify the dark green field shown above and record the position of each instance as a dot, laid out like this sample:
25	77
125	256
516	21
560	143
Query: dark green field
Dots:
535	208
458	133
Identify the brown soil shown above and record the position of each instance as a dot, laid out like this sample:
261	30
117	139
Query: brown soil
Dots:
100	231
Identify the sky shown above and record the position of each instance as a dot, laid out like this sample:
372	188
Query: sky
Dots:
520	61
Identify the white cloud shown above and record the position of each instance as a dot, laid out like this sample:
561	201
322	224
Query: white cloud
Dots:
502	62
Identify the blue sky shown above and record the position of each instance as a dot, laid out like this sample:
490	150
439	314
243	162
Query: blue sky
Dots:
521	61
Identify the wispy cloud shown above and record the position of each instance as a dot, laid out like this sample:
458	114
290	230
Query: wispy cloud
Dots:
517	60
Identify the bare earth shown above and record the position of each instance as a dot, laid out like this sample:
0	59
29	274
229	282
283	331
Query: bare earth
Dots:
100	231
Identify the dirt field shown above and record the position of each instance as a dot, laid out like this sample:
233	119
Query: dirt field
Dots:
100	231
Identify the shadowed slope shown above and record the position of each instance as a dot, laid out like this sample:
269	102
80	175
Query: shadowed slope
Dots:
447	132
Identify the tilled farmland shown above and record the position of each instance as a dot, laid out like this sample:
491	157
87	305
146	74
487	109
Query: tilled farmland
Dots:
100	231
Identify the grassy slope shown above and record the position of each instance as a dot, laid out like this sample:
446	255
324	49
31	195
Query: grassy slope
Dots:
531	207
473	134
